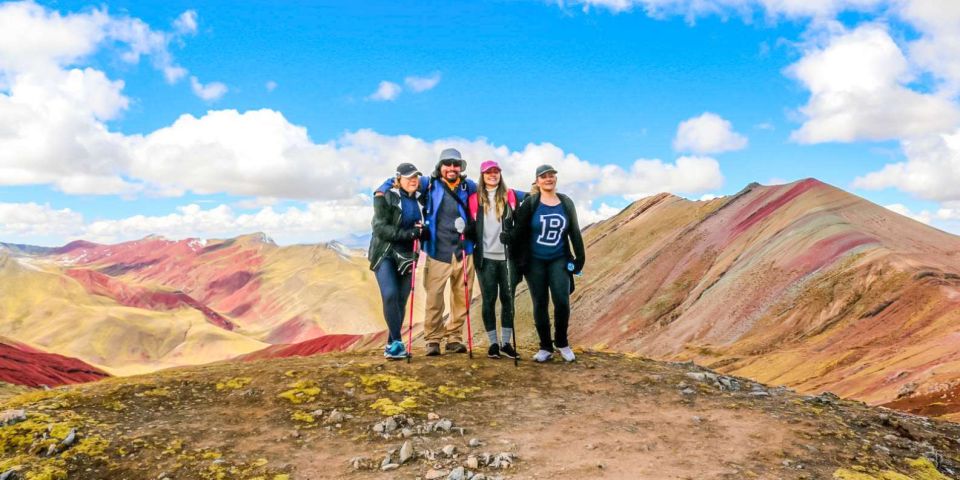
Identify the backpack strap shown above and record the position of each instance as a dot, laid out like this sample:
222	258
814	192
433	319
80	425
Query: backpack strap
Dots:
474	206
512	198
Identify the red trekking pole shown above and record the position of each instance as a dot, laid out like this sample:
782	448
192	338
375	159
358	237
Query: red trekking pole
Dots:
413	288
459	225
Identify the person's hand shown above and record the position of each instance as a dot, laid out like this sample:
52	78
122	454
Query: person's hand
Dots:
506	238
424	233
577	266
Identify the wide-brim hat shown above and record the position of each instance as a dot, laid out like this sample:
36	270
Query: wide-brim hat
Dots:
452	154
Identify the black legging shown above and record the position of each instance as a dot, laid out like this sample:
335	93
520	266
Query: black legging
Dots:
550	276
494	282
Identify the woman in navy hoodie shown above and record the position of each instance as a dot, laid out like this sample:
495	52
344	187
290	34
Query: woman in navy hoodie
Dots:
397	222
549	250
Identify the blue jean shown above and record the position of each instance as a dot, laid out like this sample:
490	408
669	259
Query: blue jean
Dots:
394	290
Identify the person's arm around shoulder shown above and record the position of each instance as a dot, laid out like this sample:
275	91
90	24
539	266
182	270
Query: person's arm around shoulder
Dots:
383	222
576	238
388	184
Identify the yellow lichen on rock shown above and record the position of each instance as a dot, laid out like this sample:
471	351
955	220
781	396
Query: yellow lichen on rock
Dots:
456	392
157	392
234	383
924	469
921	469
302	391
301	416
388	407
392	383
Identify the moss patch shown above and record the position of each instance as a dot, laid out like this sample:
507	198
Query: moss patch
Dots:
388	407
234	383
303	391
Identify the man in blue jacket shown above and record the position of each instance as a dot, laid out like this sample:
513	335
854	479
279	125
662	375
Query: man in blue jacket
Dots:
446	192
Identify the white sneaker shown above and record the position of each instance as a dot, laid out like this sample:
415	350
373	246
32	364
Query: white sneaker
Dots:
542	356
567	354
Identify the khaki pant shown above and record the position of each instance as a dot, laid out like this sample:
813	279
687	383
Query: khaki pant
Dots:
436	274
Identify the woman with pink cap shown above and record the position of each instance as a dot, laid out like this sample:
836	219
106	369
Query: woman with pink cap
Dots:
491	208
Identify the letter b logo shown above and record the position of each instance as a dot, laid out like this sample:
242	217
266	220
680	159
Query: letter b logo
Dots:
551	229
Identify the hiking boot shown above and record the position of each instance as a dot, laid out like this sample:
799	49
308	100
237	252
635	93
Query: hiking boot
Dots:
456	347
508	351
433	350
543	356
493	351
567	354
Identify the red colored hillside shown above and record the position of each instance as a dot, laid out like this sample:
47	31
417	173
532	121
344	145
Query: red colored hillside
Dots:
22	365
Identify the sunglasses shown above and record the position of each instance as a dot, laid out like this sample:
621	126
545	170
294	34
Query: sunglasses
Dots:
450	163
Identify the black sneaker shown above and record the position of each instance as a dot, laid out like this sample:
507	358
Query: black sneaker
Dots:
456	347
493	351
433	350
508	351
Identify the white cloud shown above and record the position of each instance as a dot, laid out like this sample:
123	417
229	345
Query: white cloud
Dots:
692	9
938	48
386	91
51	132
31	219
922	217
857	86
649	177
33	38
186	23
209	92
270	85
708	134
932	169
256	153
309	222
314	221
422	84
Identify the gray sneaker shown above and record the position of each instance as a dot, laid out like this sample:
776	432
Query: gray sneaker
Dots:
542	356
433	350
567	354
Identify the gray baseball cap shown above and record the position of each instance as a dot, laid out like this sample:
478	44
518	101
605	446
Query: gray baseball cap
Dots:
545	169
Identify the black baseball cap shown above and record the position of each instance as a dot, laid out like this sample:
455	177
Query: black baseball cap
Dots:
407	170
545	169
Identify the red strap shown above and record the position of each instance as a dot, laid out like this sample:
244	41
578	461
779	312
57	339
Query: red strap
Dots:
473	206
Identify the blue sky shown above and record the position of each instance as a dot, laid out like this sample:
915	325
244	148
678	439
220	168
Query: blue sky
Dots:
592	86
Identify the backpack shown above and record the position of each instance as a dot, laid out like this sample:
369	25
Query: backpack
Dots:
474	203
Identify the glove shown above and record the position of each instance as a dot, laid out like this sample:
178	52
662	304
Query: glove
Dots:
411	233
506	238
424	235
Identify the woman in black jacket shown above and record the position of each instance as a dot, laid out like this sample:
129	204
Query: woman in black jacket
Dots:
491	210
397	222
549	250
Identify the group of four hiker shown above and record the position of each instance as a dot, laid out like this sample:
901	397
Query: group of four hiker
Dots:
510	235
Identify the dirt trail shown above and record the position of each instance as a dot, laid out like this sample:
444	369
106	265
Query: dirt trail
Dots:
605	416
